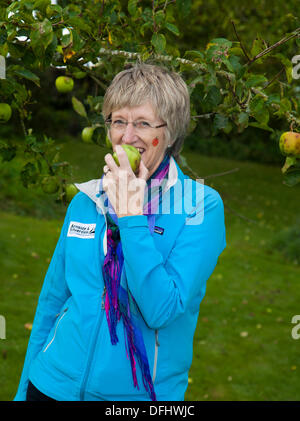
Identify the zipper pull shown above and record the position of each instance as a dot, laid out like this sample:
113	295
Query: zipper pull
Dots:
102	299
58	314
156	338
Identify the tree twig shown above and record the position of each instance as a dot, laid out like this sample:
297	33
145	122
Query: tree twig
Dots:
241	104
131	55
274	78
239	214
207	115
221	173
272	47
241	44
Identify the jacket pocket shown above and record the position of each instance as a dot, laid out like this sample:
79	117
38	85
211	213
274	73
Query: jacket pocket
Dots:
155	356
61	315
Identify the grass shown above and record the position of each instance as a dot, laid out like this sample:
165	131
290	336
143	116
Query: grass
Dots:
243	348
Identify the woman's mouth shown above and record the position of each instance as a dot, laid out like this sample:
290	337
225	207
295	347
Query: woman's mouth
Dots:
141	150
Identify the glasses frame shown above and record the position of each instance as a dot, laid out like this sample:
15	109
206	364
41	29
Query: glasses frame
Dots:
109	121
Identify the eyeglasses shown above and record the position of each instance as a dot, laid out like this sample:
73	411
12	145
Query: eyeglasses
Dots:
139	125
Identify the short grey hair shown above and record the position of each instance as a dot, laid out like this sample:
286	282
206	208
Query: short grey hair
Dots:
164	89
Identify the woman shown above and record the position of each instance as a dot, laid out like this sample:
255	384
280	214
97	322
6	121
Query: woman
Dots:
120	301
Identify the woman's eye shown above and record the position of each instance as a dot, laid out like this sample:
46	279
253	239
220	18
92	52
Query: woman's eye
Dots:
143	124
119	123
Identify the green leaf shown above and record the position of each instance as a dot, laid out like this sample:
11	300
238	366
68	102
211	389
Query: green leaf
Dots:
236	51
289	162
285	106
172	28
220	121
41	36
78	107
159	42
40	5
79	23
221	42
212	98
193	54
147	25
27	74
292	177
242	121
255	80
29	174
286	61
259	110
132	7
236	65
159	17
262	126
228	64
258	46
7	152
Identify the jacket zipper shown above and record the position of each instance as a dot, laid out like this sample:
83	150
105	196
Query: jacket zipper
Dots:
98	321
102	299
59	320
155	356
91	354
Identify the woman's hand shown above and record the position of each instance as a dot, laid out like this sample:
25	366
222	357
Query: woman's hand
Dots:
124	189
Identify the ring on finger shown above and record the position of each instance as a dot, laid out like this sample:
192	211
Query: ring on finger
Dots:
106	169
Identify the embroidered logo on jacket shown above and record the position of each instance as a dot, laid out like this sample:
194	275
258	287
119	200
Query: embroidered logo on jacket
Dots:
159	230
80	230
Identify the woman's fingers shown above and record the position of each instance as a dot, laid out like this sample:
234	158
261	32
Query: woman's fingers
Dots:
111	163
143	171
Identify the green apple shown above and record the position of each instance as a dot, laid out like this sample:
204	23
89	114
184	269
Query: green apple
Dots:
71	190
289	144
134	157
87	134
64	84
5	112
79	74
50	185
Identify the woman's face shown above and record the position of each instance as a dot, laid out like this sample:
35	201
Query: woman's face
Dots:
150	141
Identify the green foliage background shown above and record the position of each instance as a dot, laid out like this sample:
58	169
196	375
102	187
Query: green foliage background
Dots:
236	60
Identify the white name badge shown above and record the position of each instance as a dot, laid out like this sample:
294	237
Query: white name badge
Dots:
80	230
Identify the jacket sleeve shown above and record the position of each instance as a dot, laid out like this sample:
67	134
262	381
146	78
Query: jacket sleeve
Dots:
164	290
52	296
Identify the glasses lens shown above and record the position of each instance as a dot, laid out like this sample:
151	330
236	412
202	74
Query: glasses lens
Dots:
142	125
119	124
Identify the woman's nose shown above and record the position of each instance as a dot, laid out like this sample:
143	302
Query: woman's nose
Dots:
129	133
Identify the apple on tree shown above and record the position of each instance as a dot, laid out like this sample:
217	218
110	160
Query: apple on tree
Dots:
50	185
71	190
5	112
87	134
289	144
108	142
64	84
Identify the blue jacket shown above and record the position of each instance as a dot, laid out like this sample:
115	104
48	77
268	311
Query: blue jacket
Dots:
70	356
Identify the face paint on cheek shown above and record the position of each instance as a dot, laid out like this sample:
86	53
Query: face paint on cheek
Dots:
155	141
